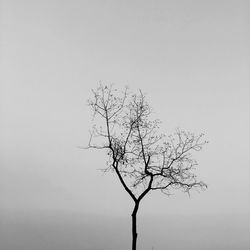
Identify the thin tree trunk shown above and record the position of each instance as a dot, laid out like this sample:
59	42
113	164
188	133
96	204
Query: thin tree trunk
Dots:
134	226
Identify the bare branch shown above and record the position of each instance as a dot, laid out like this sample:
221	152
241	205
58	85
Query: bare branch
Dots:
142	159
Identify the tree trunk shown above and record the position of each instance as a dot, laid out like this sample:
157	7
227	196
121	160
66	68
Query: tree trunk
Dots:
134	227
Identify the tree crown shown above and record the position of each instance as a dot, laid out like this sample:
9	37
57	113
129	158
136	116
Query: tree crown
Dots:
142	158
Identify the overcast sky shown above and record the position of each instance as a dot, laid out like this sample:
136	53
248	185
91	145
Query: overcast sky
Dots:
192	59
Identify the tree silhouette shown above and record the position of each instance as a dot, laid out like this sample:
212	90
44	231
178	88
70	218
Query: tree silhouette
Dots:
142	159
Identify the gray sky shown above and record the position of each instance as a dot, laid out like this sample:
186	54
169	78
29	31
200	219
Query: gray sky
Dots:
192	59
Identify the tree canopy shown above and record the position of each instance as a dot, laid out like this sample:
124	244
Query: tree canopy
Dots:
142	158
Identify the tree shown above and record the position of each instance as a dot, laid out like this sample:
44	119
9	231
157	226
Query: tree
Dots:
142	159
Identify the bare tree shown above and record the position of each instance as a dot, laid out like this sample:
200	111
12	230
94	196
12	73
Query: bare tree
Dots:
142	159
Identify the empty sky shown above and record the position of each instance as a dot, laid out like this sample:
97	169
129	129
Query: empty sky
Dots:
192	59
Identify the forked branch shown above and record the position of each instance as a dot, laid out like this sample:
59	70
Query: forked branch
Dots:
142	159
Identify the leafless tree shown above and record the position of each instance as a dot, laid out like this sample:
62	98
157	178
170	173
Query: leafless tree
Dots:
142	159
